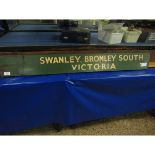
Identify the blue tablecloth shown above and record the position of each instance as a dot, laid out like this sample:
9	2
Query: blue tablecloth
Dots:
28	39
34	101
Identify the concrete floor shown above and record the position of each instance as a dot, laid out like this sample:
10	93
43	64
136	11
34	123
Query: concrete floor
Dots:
133	124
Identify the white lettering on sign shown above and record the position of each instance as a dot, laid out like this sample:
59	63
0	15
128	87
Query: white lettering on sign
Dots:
57	60
100	58
96	66
131	57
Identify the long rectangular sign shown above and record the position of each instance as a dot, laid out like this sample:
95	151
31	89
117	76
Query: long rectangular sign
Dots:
39	64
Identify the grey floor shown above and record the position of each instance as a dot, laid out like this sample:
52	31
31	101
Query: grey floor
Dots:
133	124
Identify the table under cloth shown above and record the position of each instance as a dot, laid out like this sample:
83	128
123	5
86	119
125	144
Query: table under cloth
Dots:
33	101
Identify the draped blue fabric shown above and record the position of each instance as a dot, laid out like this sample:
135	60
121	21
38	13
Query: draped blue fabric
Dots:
33	101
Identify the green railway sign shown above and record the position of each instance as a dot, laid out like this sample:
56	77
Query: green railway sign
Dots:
40	64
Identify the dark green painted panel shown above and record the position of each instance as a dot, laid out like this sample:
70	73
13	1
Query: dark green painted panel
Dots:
11	65
72	63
